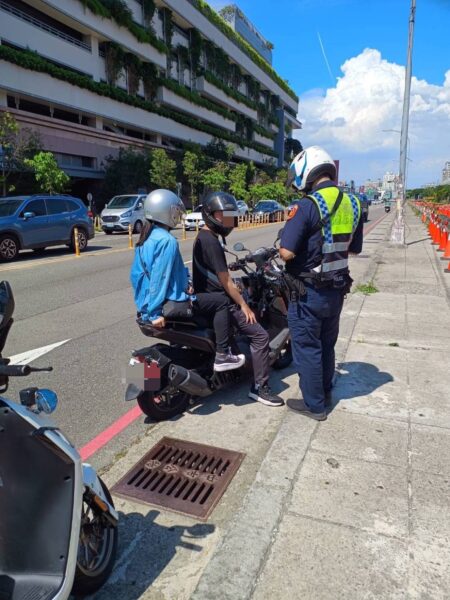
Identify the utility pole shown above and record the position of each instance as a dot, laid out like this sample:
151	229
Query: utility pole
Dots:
398	229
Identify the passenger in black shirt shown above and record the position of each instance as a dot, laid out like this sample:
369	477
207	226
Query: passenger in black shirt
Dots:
210	274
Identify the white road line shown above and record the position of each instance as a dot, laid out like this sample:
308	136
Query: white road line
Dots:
26	357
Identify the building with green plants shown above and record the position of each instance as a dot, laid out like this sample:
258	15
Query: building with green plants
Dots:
92	76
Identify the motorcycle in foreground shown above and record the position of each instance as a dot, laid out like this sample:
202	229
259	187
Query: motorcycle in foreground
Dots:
166	378
58	525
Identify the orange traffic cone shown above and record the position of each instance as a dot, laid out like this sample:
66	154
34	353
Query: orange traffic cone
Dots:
444	239
446	254
447	270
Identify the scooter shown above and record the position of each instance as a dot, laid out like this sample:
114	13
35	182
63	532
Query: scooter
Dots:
387	208
166	378
58	525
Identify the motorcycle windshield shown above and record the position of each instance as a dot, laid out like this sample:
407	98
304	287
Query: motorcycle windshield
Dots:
36	505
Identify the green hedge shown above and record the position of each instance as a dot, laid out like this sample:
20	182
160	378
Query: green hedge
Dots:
229	91
108	9
217	20
195	98
32	61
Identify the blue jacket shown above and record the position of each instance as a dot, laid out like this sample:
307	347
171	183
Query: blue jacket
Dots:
169	278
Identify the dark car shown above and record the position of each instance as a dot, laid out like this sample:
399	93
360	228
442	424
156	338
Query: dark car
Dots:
274	209
35	222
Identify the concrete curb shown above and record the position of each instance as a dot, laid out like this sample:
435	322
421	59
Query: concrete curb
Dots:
239	558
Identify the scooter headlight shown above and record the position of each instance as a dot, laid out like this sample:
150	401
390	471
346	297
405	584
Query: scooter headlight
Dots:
46	401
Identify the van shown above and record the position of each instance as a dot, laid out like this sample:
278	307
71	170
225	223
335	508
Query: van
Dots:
123	211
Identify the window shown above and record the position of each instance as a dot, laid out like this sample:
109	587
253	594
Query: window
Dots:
72	206
37	207
56	206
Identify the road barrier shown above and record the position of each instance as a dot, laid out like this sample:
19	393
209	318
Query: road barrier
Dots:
97	224
437	220
130	237
76	241
252	220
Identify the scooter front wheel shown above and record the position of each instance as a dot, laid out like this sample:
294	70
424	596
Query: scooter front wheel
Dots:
97	548
161	407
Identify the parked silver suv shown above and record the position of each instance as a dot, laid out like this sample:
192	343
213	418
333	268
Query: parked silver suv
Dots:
121	211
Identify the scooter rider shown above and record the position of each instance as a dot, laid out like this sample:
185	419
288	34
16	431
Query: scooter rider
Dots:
211	275
320	232
158	274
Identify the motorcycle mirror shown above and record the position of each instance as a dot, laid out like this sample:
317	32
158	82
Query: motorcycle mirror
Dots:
46	401
239	247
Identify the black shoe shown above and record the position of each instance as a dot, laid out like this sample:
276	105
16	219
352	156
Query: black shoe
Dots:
300	407
228	362
263	394
328	399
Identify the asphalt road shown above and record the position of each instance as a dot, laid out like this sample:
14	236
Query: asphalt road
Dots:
88	302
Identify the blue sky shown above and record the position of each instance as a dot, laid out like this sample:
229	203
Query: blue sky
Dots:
347	29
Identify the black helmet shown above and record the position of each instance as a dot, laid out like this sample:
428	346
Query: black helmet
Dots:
224	202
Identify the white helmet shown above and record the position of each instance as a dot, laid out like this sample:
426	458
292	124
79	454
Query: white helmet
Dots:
163	206
308	166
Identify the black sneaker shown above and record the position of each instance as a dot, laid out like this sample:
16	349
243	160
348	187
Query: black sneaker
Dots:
300	407
228	362
263	394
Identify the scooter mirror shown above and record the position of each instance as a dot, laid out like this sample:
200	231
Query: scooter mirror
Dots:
238	247
46	401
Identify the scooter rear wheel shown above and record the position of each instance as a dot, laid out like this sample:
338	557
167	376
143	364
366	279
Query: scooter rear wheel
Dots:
161	407
96	550
285	358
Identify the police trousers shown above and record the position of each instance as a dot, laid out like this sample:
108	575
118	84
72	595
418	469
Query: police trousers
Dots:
314	326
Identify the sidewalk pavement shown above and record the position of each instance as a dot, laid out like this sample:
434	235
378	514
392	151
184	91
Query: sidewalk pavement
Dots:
359	506
355	507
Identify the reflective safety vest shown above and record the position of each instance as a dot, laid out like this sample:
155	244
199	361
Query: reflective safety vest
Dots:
337	231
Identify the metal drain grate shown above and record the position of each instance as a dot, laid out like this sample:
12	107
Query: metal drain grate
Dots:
181	476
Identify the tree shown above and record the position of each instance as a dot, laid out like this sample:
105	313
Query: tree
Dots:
126	173
272	191
238	181
162	169
217	150
16	145
216	178
193	172
50	178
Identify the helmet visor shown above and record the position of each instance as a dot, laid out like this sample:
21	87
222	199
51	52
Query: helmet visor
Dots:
290	178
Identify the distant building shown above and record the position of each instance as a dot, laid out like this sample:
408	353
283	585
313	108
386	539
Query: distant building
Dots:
241	24
446	173
391	182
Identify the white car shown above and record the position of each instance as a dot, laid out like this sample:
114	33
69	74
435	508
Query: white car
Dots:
242	208
194	219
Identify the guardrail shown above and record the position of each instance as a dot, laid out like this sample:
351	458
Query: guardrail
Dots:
437	221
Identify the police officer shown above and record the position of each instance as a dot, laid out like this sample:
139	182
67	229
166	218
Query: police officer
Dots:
321	230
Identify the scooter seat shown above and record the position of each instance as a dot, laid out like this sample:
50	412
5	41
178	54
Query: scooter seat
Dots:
187	333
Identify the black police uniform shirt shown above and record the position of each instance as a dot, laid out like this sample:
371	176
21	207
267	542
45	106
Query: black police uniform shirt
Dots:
210	255
308	250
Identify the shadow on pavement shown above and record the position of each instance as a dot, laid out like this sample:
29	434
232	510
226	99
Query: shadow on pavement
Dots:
53	253
146	548
425	239
358	379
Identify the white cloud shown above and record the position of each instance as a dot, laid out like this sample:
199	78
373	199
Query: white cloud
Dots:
348	120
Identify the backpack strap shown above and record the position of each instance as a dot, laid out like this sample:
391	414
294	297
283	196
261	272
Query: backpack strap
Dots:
323	221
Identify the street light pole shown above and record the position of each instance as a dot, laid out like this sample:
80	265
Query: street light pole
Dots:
398	229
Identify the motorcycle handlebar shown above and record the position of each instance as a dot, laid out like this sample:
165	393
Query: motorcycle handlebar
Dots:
20	370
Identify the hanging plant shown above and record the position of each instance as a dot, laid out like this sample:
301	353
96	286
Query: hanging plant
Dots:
167	26
114	61
183	56
148	12
196	47
120	12
236	76
150	80
134	68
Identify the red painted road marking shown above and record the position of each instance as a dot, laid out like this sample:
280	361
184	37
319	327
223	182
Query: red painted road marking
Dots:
110	432
129	417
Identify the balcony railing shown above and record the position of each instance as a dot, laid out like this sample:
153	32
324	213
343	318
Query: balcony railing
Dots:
44	26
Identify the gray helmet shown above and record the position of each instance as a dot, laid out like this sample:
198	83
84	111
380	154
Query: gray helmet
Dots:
163	206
